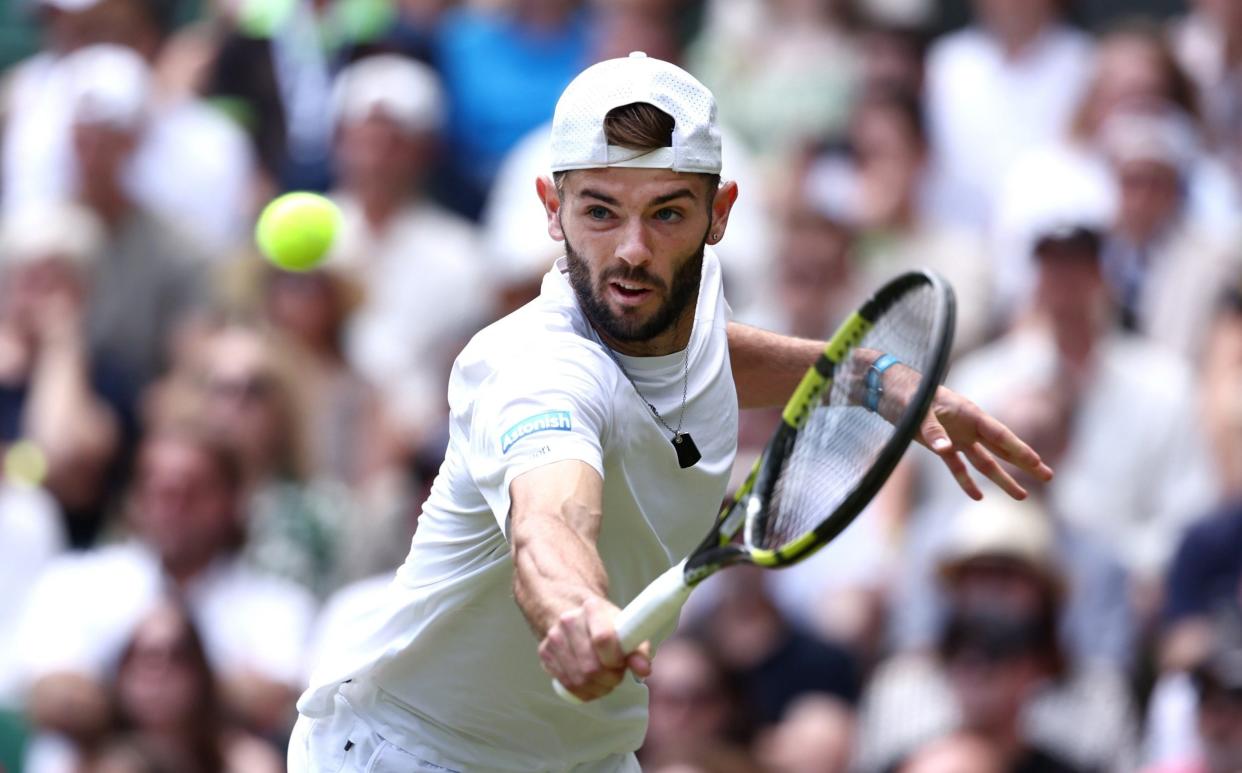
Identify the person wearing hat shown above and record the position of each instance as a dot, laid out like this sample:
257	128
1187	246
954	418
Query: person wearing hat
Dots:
65	405
406	252
562	490
1001	664
1213	707
1163	268
1115	412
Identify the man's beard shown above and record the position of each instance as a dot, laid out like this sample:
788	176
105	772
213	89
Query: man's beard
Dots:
618	328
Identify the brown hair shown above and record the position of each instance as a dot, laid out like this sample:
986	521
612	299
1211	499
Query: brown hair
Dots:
642	126
201	738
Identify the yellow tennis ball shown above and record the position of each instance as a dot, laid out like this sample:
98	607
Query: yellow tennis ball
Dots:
296	230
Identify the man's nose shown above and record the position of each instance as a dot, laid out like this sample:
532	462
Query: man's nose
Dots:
634	247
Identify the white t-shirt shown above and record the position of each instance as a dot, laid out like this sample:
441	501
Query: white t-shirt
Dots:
985	108
31	536
85	608
192	166
455	659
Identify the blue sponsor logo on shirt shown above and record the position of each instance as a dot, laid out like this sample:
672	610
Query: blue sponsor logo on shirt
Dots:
540	422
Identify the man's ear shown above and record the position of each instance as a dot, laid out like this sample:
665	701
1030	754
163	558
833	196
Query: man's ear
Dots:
550	197
722	205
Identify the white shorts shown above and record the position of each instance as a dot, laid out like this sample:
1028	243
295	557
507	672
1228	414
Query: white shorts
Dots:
345	743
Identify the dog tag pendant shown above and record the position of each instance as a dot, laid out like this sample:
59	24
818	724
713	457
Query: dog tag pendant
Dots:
687	452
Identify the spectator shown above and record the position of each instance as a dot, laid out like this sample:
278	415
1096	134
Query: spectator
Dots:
1098	623
1134	73
147	278
1093	385
503	69
1222	374
1164	270
1208	43
186	523
297	522
814	282
775	661
348	439
1206	572
1216	683
815	736
204	192
70	408
889	148
695	702
1000	669
893	53
31	537
784	72
165	693
407	253
1007	82
273	74
955	753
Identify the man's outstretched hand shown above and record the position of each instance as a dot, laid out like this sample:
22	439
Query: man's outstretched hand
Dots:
955	428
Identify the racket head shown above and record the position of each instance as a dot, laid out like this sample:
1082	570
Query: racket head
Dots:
825	432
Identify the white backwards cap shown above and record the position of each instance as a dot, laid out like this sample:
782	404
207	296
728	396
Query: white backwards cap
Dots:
578	140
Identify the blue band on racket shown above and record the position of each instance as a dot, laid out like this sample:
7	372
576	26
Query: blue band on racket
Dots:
875	384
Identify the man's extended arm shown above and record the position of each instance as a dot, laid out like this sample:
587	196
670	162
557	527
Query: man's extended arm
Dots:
767	367
559	580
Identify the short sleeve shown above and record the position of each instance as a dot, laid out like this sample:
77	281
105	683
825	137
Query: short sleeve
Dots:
551	409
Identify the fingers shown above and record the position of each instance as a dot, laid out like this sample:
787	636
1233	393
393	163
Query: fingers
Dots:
1004	443
583	653
639	661
933	434
603	633
985	463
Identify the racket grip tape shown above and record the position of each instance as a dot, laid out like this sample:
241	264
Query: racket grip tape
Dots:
648	614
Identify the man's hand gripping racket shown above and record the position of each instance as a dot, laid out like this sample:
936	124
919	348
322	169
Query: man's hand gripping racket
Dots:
873	389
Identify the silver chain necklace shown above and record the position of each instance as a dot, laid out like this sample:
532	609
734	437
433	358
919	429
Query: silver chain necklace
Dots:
687	452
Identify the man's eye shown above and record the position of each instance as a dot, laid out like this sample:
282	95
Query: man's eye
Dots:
668	215
597	213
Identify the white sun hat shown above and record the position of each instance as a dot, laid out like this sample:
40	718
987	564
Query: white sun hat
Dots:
578	140
406	91
109	85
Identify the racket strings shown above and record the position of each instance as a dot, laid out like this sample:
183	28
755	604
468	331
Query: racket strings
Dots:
842	440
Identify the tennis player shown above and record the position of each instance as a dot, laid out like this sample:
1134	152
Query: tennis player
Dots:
592	436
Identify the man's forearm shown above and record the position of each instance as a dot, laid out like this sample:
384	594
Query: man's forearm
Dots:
556	569
768	366
554	520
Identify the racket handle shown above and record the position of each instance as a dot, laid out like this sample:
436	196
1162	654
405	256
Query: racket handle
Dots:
650	612
653	609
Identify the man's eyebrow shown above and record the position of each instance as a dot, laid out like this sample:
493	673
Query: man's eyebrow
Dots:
657	201
594	194
677	194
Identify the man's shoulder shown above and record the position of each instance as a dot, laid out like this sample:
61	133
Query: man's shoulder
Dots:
542	333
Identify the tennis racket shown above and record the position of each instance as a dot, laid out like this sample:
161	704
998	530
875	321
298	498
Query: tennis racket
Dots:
840	436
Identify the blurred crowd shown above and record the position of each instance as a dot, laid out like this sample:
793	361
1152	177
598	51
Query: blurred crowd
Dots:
207	463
